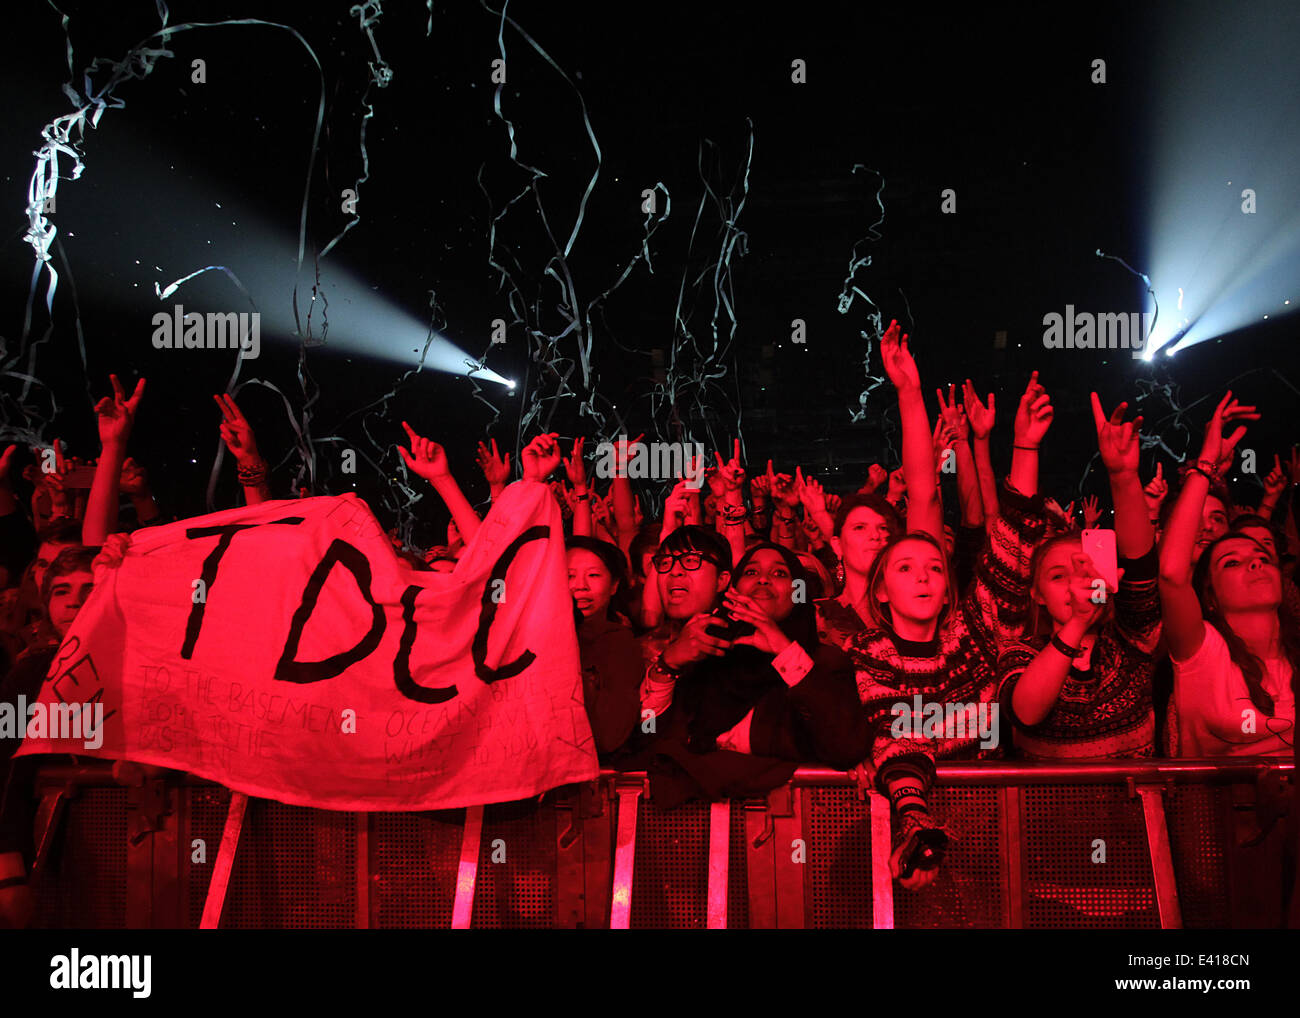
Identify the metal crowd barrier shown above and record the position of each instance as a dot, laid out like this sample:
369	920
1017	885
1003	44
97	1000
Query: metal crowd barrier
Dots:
1132	844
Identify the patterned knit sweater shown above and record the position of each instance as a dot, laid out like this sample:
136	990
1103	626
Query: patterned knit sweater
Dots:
1107	711
958	666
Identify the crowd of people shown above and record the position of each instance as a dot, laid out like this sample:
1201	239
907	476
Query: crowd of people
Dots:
765	622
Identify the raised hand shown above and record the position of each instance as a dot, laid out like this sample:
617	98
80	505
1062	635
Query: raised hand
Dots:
135	479
623	451
1033	415
116	414
52	483
811	493
897	486
980	415
495	467
6	464
236	432
541	457
785	494
731	475
877	476
1117	441
1217	449
575	468
426	459
1091	511
899	365
1276	481
952	413
1156	490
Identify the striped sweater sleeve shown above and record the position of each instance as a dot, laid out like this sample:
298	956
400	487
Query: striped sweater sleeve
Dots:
996	604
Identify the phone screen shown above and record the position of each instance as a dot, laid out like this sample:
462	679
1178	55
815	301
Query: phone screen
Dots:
1099	545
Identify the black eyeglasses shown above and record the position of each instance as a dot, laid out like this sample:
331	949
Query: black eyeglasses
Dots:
690	560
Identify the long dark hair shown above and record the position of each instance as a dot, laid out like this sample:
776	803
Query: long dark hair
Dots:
1252	668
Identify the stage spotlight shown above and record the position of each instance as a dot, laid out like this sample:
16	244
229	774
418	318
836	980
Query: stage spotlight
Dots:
1223	228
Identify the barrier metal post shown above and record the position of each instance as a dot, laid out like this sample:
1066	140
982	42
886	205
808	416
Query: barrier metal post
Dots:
719	849
216	899
882	880
620	907
467	873
1162	859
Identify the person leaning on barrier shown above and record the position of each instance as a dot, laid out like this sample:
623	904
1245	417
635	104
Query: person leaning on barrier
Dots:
68	583
1235	644
745	693
607	650
928	645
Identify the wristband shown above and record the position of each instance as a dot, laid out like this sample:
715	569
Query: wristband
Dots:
586	497
1065	648
1027	448
663	667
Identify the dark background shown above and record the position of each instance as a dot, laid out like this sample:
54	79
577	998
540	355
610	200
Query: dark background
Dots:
997	105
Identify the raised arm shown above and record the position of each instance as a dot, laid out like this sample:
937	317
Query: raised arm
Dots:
924	513
982	417
238	435
968	486
116	415
428	459
1118	444
621	490
1184	626
577	472
495	467
731	505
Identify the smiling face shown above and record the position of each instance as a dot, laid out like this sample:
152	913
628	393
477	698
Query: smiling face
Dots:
67	594
864	533
590	582
1243	577
767	579
1052	581
914	582
688	592
1214	524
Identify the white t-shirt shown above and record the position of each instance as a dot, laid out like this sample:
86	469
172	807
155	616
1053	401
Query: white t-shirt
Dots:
1215	715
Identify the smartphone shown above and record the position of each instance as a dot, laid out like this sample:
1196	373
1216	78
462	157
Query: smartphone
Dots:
1099	545
79	477
731	629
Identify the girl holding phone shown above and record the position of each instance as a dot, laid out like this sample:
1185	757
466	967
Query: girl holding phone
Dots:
1079	685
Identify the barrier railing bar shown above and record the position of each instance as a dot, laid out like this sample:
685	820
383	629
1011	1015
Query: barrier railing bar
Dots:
620	905
1162	860
719	847
467	873
1225	770
882	880
216	899
1011	838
